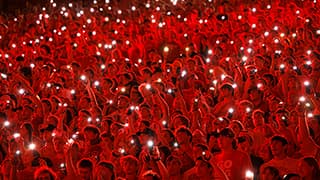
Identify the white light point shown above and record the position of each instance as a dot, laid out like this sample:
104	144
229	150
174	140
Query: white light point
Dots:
6	123
96	83
83	77
183	73
302	99
148	86
166	49
32	146
21	91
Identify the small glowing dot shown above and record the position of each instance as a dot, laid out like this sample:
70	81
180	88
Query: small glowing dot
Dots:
166	49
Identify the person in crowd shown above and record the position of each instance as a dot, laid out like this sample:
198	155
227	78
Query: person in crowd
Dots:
162	89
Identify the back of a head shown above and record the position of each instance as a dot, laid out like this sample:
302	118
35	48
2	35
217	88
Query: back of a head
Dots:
44	173
85	163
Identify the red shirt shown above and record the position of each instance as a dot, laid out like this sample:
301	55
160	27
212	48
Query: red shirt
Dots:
234	163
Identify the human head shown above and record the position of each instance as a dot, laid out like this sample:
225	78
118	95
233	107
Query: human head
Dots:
44	173
226	138
91	132
130	164
174	165
203	167
105	170
270	173
309	167
183	135
278	145
85	169
258	118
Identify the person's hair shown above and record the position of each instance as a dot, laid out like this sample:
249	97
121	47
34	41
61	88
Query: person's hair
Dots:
93	129
209	165
239	123
203	147
183	119
258	111
129	158
274	171
110	166
29	128
85	163
317	118
172	158
150	173
41	170
314	164
279	138
185	130
166	151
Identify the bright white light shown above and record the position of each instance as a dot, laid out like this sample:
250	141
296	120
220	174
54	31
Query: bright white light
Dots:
249	174
210	51
150	143
123	89
166	49
32	146
302	99
308	62
89	119
175	144
21	91
148	86
230	110
83	77
6	123
4	76
244	58
266	33
184	72
306	83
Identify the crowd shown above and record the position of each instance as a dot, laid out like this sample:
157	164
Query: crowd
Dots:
161	90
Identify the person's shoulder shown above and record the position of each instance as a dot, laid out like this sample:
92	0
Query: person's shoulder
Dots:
241	153
189	172
291	160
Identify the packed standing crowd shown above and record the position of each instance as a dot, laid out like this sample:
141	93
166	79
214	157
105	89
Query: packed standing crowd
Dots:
161	90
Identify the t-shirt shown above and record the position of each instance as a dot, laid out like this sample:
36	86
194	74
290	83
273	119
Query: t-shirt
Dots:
285	166
234	163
